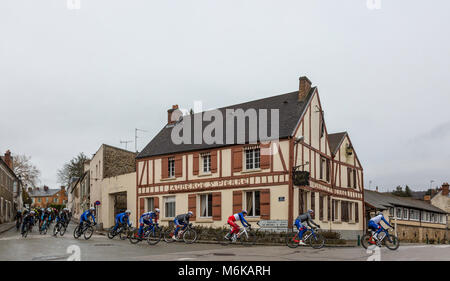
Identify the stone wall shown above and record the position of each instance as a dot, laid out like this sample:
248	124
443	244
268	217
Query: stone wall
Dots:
118	162
419	234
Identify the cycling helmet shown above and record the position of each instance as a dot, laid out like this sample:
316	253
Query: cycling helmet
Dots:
244	211
128	212
157	210
32	212
380	213
91	209
190	213
310	211
49	210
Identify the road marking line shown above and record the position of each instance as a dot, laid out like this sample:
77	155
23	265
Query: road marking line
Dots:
185	259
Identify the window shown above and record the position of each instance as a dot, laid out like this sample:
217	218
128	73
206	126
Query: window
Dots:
328	170
399	213
322	167
252	159
344	211
321	207
150	204
356	212
252	203
206	205
405	213
206	160
354	178
171	167
55	200
414	215
329	208
391	212
169	206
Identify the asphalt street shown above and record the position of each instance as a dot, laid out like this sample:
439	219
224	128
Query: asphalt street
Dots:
38	247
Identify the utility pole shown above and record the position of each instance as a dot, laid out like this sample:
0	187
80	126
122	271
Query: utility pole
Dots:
136	137
126	143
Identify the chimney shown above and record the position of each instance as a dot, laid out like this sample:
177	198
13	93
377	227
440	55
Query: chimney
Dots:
174	109
45	188
305	86
427	198
445	189
8	159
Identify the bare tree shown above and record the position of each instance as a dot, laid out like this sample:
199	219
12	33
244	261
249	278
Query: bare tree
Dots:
28	172
74	168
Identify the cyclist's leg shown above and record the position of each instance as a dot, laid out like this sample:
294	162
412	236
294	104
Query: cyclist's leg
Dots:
298	225
177	227
302	229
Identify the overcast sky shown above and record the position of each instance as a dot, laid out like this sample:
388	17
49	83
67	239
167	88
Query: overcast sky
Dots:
72	79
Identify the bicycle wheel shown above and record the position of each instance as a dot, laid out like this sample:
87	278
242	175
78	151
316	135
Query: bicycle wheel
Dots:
292	240
76	232
391	242
25	231
154	236
248	239
365	241
168	234
190	236
123	234
111	233
62	230
224	237
88	232
55	230
134	238
317	242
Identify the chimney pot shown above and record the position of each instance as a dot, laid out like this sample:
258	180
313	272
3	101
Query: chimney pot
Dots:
427	198
173	114
445	189
8	159
305	86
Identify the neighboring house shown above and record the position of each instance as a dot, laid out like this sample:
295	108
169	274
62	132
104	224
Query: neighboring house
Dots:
43	197
9	186
72	202
216	180
111	182
442	200
415	219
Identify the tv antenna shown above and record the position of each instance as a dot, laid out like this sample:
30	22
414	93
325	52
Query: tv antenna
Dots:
126	143
136	137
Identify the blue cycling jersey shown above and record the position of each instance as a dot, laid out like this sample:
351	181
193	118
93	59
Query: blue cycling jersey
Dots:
86	214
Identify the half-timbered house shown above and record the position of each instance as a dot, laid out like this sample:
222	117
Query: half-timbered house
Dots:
219	179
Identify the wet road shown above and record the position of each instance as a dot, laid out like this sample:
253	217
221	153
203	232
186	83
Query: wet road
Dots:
99	247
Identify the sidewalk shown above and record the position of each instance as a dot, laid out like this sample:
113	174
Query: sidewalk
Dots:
6	226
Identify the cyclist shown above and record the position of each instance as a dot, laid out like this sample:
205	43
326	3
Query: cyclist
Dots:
181	220
147	219
299	223
18	218
44	218
28	218
235	227
84	217
375	226
122	218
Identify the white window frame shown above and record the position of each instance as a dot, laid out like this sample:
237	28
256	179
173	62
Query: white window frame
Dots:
202	199
169	199
252	159
399	213
206	163
405	213
171	167
150	204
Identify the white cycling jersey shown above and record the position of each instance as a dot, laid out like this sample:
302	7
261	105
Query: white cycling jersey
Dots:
377	219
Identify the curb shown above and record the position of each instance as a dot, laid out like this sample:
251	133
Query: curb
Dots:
7	228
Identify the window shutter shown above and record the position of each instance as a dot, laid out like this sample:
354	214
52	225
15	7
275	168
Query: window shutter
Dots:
192	205
195	164
165	168
265	204
265	156
237	159
156	202
217	206
237	201
141	206
214	161
178	166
